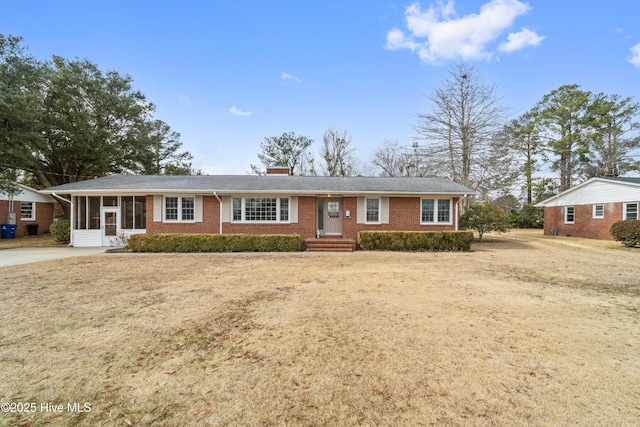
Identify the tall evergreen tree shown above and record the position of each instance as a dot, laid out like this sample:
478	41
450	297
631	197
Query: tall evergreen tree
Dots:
66	120
615	143
562	117
286	150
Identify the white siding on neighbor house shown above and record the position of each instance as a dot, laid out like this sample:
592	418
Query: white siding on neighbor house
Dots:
27	194
597	192
86	238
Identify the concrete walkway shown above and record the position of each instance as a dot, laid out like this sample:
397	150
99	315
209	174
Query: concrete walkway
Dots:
29	255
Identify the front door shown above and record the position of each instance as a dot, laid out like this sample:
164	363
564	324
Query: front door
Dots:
110	226
333	217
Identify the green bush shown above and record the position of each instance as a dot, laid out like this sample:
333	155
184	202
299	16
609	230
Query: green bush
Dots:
627	232
61	231
416	240
485	217
531	217
215	243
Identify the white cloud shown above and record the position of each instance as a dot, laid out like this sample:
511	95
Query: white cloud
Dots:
437	33
520	40
236	112
184	99
287	76
635	55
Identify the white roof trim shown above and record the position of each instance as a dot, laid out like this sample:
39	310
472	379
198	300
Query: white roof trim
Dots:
28	194
550	200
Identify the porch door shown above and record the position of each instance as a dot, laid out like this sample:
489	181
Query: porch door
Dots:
110	225
333	217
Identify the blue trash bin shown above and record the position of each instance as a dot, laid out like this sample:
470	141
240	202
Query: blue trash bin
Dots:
9	231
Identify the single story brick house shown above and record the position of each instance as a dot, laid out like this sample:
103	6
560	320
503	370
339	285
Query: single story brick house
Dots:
27	207
589	209
277	203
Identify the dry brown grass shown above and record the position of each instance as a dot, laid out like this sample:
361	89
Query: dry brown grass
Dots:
524	330
39	241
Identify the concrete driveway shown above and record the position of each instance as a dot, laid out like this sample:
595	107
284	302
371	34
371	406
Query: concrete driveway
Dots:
29	255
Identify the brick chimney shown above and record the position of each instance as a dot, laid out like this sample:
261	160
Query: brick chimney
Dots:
278	170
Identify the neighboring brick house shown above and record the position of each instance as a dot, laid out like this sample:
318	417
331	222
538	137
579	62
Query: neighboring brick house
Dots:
589	209
26	207
311	207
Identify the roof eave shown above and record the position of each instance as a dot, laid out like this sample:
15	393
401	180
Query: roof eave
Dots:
251	191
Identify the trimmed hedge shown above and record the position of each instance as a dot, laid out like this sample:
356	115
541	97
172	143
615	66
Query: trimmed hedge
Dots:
416	240
627	232
215	243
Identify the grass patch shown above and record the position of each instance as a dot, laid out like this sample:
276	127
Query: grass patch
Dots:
39	241
372	338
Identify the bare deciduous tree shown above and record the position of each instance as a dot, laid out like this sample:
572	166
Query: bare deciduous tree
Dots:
337	154
392	159
465	114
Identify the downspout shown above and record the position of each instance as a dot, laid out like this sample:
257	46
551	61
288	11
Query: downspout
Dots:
220	215
71	219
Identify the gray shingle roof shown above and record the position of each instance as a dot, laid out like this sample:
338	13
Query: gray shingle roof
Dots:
622	179
151	184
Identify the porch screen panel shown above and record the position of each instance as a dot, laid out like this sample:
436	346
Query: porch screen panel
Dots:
140	209
81	213
126	212
94	212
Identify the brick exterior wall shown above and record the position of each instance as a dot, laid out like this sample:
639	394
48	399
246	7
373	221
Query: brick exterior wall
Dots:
584	224
210	220
404	215
44	216
306	226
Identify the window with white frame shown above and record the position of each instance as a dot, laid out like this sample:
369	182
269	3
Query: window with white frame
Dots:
373	210
237	209
188	208
598	211
569	214
27	211
284	209
260	209
435	211
178	208
630	211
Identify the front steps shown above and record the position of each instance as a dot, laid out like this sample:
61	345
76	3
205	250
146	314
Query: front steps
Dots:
330	244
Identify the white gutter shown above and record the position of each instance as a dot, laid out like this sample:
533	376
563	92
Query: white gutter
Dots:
219	203
53	193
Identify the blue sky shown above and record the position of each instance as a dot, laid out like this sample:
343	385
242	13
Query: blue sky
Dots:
227	74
